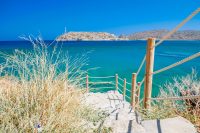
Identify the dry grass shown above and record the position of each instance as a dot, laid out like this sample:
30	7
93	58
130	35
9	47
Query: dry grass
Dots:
41	90
189	109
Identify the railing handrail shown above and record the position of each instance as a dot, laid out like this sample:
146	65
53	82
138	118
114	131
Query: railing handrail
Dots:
177	97
194	13
91	77
178	63
149	59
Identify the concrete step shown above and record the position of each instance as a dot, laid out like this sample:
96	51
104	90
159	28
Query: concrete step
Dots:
122	119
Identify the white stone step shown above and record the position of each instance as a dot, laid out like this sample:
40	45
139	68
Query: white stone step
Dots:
124	120
121	118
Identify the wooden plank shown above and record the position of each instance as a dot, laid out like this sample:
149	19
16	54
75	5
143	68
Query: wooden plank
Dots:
137	100
124	92
149	72
133	89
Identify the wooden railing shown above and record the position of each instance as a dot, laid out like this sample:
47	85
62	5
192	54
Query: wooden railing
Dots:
135	90
149	58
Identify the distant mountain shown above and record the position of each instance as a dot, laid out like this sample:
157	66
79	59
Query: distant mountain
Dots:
158	34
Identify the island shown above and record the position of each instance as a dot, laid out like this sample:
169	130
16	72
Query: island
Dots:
89	36
105	36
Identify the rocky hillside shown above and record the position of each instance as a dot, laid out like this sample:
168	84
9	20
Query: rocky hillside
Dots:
180	35
88	36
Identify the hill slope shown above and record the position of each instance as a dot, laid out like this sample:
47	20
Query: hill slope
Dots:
180	35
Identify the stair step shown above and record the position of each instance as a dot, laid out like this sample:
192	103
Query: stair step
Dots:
122	119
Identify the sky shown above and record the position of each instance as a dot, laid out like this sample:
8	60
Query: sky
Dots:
48	18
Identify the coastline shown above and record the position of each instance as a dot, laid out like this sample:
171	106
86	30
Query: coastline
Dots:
106	36
95	40
118	40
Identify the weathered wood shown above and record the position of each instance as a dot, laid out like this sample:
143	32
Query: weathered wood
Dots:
137	100
149	71
116	82
87	83
133	89
124	92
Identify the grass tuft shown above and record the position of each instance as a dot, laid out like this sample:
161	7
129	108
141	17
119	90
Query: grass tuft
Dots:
41	90
180	86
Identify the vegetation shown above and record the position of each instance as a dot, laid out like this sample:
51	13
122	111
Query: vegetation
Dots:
189	109
41	90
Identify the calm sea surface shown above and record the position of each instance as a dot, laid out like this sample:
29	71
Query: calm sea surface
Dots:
124	57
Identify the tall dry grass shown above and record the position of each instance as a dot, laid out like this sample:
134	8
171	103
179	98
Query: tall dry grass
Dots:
41	90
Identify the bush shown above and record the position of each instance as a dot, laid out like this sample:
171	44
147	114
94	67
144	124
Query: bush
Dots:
181	86
41	89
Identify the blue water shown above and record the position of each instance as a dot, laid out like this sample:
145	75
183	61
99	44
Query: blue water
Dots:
124	57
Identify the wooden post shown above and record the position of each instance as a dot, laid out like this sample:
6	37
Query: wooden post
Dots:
137	101
149	70
133	88
87	84
124	93
116	82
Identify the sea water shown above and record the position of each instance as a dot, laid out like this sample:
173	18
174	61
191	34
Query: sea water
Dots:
124	58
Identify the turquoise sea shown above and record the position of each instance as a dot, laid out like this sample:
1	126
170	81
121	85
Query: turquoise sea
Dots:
124	57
